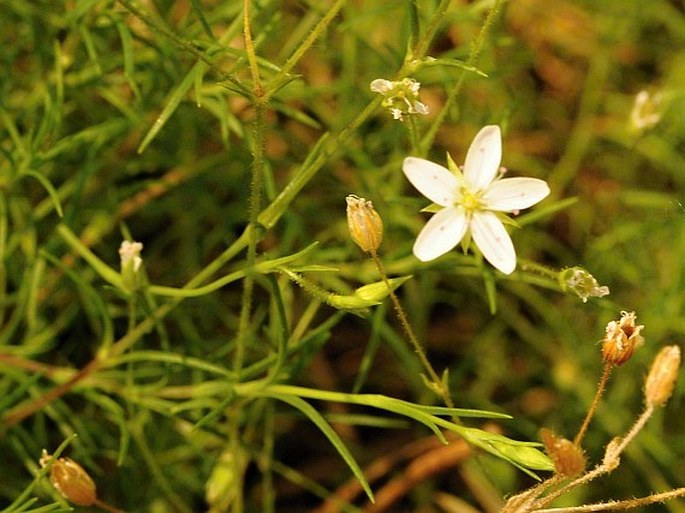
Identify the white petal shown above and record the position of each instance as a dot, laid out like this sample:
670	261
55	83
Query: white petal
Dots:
420	108
442	232
511	194
381	85
493	241
483	158
432	180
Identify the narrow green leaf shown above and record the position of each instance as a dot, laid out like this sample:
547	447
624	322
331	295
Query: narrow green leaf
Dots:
49	189
332	436
545	212
106	272
454	63
128	55
197	9
173	101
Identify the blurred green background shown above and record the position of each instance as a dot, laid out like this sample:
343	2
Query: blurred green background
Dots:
84	86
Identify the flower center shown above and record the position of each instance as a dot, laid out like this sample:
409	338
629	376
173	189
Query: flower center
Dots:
470	201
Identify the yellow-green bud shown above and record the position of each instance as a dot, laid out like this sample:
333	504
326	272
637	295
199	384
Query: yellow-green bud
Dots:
129	253
366	227
662	376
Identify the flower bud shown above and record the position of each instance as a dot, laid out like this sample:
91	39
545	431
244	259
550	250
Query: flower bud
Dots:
366	296
568	458
662	376
366	227
129	253
621	339
70	480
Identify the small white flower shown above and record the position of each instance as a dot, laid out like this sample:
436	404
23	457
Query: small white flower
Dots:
646	110
380	85
400	97
472	201
129	252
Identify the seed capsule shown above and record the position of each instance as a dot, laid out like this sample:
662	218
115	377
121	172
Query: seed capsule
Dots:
366	227
621	339
70	480
568	458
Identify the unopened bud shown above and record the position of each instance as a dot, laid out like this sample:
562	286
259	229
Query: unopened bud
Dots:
366	227
70	480
621	339
568	458
129	253
662	376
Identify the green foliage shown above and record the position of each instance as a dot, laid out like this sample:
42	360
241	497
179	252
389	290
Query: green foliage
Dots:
257	350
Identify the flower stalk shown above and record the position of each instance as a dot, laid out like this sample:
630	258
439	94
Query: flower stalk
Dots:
366	230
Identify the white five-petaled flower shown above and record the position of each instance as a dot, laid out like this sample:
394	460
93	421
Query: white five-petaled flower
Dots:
473	201
400	97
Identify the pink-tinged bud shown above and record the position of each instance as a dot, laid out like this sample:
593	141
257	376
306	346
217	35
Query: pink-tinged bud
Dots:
366	227
621	339
70	480
662	376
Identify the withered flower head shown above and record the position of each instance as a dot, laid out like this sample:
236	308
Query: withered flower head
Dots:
366	227
569	459
662	376
70	480
621	339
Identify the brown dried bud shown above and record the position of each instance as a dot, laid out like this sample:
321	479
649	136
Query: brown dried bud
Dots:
366	227
70	480
662	376
621	339
569	459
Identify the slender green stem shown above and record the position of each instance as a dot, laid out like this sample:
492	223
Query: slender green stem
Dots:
474	54
131	311
250	51
180	42
413	137
258	130
3	248
411	336
282	75
637	427
593	407
234	432
422	46
529	265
